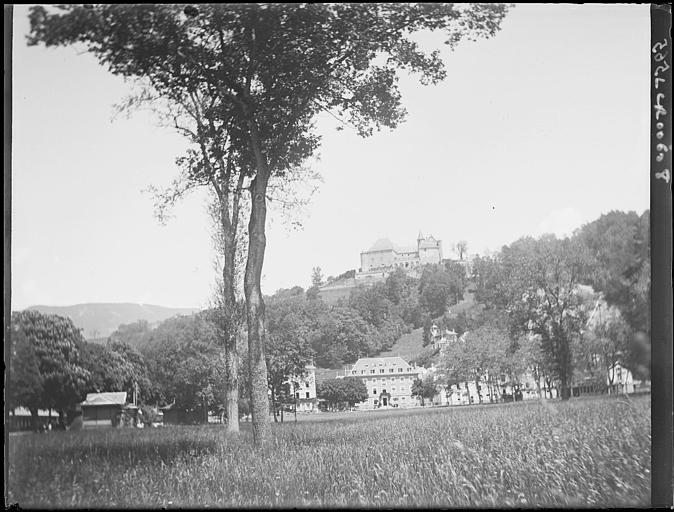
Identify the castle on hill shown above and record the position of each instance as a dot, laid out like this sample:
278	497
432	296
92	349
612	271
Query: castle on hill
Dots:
380	260
384	257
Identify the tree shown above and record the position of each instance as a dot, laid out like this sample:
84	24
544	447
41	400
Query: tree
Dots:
316	276
461	247
341	336
288	347
605	343
426	358
618	244
350	390
136	377
355	391
186	363
440	287
274	67
56	343
108	369
543	298
425	389
531	355
25	386
134	334
426	334
403	291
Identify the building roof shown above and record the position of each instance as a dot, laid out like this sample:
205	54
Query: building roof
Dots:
384	362
23	411
383	244
115	398
406	249
428	242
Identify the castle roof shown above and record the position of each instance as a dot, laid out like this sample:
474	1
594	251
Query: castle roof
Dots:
383	244
428	242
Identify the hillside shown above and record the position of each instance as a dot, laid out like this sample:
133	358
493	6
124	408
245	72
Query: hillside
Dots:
99	320
408	346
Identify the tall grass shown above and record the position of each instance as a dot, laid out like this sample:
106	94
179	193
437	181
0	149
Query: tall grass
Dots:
583	452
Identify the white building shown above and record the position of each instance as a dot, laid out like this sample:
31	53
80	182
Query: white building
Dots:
304	390
388	381
442	339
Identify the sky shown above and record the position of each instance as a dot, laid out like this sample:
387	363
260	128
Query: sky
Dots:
539	129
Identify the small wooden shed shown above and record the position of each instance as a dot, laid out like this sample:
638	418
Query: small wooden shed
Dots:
103	409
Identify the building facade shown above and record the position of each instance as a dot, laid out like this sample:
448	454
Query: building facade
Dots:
384	257
443	338
388	381
304	390
103	409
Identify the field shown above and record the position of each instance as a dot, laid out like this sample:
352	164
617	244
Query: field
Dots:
586	452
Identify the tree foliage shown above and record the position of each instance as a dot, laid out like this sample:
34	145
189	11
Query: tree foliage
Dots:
349	390
51	344
25	386
618	244
424	388
289	350
186	363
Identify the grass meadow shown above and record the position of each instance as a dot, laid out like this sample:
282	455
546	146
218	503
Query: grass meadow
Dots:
586	452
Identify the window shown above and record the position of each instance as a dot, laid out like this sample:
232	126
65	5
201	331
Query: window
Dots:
307	394
384	391
297	395
374	391
381	371
371	371
362	372
307	384
400	370
353	372
391	370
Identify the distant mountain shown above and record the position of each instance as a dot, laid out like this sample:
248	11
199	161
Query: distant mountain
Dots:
99	320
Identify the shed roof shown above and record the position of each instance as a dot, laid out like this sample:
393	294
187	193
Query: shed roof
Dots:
115	398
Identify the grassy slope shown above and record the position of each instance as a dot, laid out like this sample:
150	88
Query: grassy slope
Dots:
408	346
585	452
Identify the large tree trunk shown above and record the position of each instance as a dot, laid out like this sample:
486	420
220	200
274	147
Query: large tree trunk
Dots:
255	306
230	327
565	390
231	335
34	420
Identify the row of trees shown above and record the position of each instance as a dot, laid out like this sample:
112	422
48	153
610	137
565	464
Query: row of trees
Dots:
566	310
183	361
53	367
